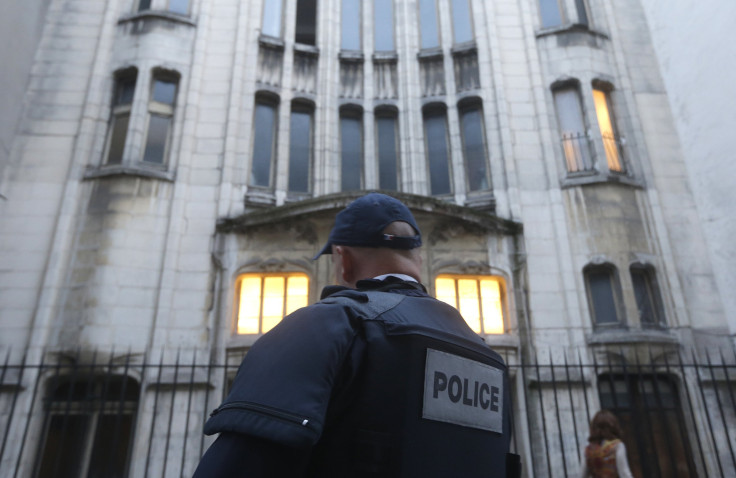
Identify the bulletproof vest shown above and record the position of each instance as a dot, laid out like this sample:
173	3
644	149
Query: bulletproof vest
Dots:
424	401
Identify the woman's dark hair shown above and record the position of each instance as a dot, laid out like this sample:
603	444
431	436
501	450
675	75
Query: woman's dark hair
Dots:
604	426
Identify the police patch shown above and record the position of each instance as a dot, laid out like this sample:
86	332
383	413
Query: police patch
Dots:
463	392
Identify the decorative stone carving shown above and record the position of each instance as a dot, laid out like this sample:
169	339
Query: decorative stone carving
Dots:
351	79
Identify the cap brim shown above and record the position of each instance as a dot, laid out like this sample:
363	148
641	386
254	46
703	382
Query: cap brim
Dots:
325	250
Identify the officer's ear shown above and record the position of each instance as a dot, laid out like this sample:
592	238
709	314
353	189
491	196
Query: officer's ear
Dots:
344	265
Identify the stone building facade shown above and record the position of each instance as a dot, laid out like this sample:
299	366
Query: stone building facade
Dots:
177	163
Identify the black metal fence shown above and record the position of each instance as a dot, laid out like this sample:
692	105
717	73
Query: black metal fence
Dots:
82	416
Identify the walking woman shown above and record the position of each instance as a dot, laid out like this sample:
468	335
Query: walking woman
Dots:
605	455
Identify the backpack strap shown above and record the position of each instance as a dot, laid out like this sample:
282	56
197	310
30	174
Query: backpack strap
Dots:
369	304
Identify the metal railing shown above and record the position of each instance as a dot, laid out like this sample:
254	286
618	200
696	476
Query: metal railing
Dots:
83	416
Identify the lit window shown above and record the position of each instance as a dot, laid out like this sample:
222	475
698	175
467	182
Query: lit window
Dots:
474	148
478	298
300	147
350	24
265	299
351	147
462	26
438	152
383	23
121	106
648	299
428	23
272	18
306	22
603	294
264	141
572	129
388	149
160	117
89	426
608	133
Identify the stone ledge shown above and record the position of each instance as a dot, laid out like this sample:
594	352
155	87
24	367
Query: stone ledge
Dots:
632	337
159	15
121	170
595	177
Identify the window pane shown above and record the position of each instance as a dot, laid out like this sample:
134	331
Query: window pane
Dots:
297	290
272	18
350	24
158	133
273	302
63	450
490	293
601	293
437	153
446	292
263	144
461	24
474	149
469	304
387	153
125	90
428	22
607	132
351	142
300	139
249	305
179	6
572	129
164	91
110	451
144	5
582	12
646	300
383	22
550	11
119	130
306	22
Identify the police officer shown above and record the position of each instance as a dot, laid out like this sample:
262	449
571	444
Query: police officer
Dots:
377	379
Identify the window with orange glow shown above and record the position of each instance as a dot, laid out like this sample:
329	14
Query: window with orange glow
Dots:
478	298
265	299
608	134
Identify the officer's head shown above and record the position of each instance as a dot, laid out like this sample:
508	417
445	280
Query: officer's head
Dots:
375	234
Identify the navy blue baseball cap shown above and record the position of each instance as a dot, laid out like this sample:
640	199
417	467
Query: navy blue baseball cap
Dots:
362	222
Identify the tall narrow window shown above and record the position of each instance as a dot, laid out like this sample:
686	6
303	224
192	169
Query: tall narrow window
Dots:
648	298
350	24
265	299
300	147
160	117
478	298
575	144
121	105
383	24
582	12
551	13
438	152
461	21
179	6
608	133
272	18
264	140
306	22
89	430
428	23
603	294
474	148
387	149
351	148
